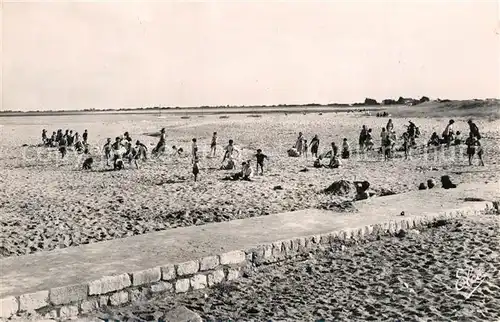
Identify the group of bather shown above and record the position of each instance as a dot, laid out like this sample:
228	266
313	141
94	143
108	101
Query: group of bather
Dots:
388	143
63	140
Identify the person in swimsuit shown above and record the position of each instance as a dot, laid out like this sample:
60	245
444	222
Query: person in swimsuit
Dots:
474	129
107	150
194	150
345	149
126	136
63	146
229	150
160	147
260	161
299	144
362	138
448	133
142	150
85	137
369	140
314	146
389	127
196	169
471	143
117	155
213	145
44	136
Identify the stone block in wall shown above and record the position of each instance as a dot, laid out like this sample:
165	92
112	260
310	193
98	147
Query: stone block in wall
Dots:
182	285
146	276
89	305
109	284
187	268
277	251
103	300
208	263
8	307
198	281
268	253
233	274
33	301
137	295
168	272
119	298
68	312
232	258
216	277
68	294
161	287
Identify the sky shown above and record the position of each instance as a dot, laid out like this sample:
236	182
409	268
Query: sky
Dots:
124	54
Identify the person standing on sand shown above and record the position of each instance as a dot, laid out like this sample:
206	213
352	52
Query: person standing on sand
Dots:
160	147
213	145
62	146
389	127
126	136
299	144
384	135
142	150
107	150
474	129
305	147
314	146
85	137
362	138
471	143
260	161
448	133
369	140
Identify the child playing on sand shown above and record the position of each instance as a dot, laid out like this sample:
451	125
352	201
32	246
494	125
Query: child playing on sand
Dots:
142	150
387	148
213	145
474	129
85	137
369	140
247	171
107	150
448	133
126	136
196	169
260	161
335	162
458	138
362	138
229	150
434	140
383	136
406	144
299	144
345	149
194	149
160	146
389	127
305	147
314	146
44	136
62	146
471	143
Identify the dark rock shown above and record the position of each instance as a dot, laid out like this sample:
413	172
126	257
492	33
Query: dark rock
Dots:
181	314
431	183
304	170
401	233
446	183
278	188
422	186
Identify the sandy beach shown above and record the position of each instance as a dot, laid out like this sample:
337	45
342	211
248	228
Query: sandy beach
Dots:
417	276
48	203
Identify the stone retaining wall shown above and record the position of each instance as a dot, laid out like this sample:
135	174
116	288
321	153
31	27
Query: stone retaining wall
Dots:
70	301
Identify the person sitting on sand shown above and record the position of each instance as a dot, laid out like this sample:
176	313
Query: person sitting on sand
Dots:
229	150
160	147
213	145
474	129
44	136
317	163
87	164
292	152
369	140
471	143
85	136
194	150
260	161
434	140
299	144
345	149
314	146
362	138
196	169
